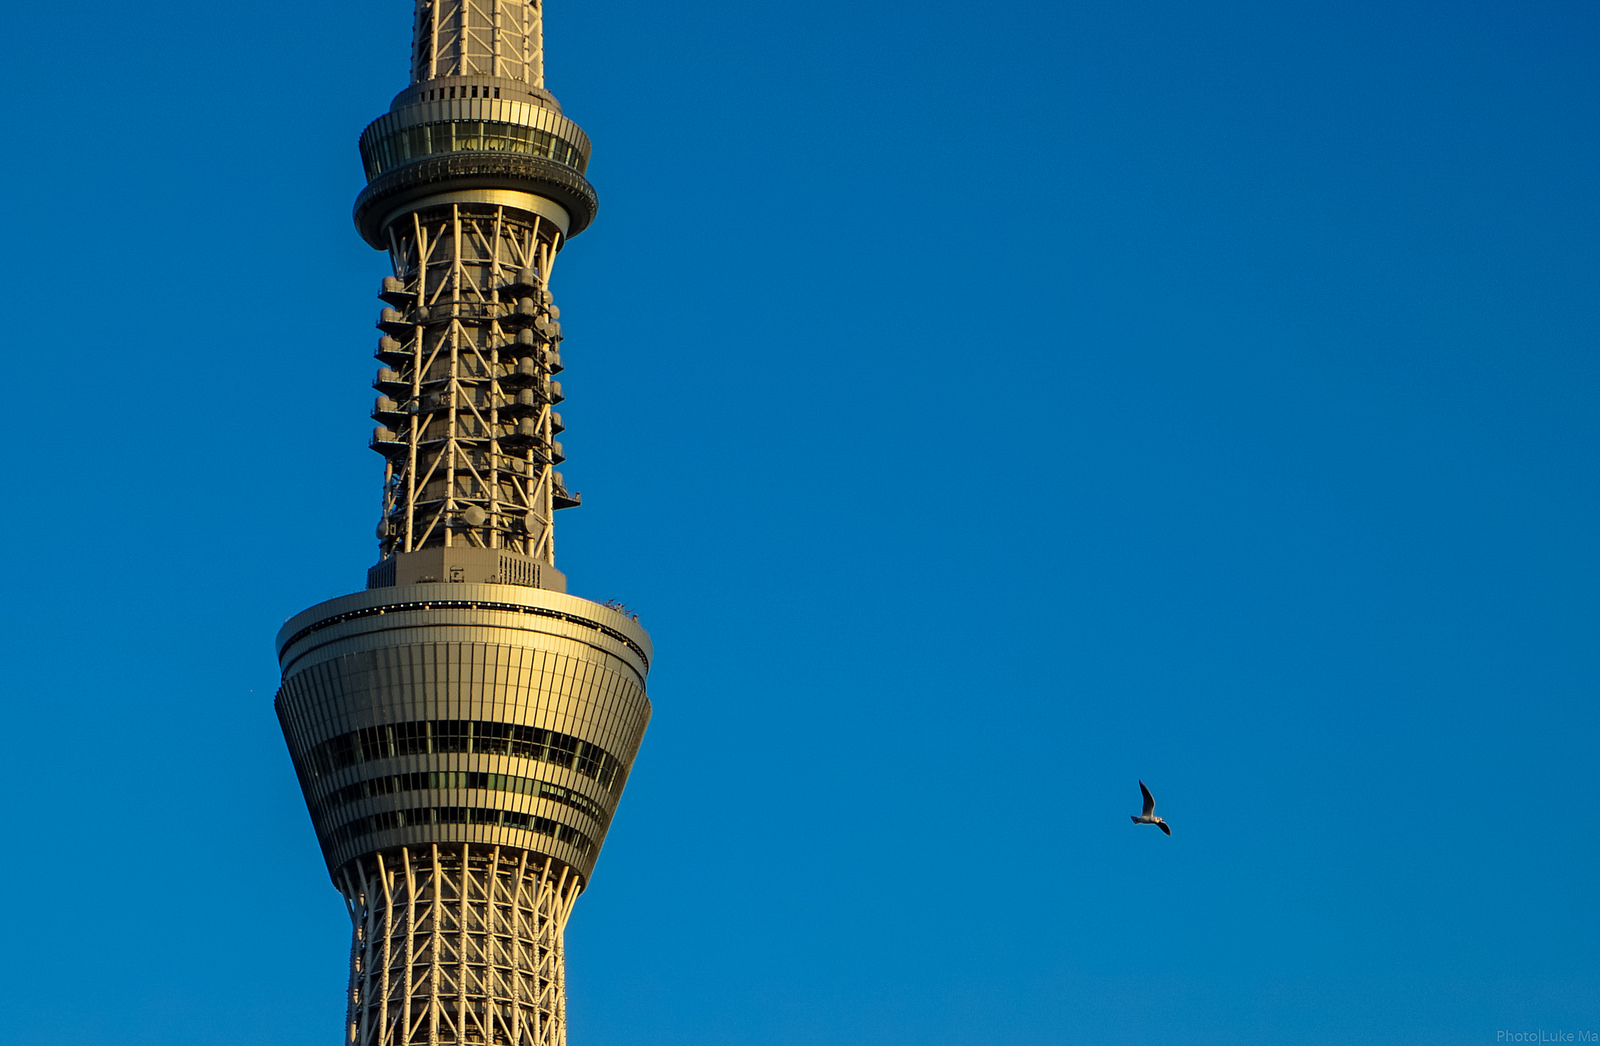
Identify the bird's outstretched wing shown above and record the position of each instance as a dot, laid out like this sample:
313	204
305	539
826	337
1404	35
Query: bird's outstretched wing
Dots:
1163	826
1149	800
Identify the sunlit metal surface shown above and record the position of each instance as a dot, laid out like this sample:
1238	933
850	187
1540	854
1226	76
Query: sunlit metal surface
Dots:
463	729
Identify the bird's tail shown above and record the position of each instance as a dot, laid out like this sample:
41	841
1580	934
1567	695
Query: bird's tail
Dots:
1134	818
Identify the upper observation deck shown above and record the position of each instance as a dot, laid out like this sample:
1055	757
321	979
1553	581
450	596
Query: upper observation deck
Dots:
471	117
475	118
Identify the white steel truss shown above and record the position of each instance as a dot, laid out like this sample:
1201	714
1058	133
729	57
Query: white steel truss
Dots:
479	38
457	945
467	424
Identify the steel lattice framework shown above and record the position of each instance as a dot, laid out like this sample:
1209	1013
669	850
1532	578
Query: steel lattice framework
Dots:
458	946
463	728
502	38
468	390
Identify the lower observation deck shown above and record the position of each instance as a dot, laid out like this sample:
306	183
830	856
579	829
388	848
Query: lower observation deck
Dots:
446	714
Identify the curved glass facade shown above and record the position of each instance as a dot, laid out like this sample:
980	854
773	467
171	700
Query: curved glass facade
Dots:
431	815
435	780
386	152
441	736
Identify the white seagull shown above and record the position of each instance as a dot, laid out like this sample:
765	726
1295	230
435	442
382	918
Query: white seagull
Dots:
1149	815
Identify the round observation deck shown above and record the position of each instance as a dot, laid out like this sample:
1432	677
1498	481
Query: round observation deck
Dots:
448	138
490	715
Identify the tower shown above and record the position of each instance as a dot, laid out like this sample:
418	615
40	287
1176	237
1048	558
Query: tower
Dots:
463	727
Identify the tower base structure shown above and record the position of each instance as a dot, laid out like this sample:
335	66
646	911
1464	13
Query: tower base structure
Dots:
462	749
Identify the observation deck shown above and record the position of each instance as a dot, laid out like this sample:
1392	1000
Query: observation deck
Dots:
450	139
449	714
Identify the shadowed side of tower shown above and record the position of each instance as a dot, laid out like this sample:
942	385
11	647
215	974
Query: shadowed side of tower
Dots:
463	728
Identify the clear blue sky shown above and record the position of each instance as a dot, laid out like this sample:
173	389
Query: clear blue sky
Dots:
984	405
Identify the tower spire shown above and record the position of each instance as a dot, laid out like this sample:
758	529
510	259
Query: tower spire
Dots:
496	38
462	729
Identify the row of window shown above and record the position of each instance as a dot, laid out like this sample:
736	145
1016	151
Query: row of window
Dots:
421	780
441	93
439	736
430	815
451	136
466	604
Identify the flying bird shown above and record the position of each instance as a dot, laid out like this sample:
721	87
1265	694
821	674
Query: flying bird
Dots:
1149	815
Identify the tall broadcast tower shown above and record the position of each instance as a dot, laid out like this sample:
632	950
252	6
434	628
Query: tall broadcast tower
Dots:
462	729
